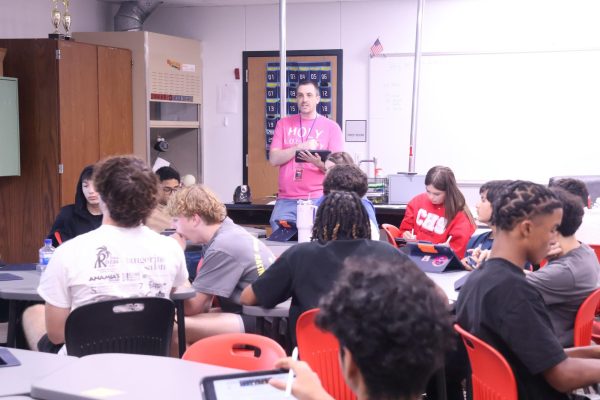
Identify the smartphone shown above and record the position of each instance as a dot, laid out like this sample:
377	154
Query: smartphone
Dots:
321	153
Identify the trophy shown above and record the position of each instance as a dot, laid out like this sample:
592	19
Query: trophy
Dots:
67	20
55	18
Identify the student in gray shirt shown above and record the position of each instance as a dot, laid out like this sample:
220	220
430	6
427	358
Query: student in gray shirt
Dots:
232	260
569	278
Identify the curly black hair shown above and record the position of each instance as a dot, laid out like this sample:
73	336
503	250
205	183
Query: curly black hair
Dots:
348	178
521	200
493	188
128	187
572	211
341	215
574	186
391	318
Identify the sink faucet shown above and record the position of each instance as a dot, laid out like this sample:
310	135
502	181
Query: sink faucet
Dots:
370	160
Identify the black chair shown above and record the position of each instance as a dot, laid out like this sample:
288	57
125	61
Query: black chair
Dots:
134	325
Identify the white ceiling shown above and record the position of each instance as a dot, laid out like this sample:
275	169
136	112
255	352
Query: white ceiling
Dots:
176	3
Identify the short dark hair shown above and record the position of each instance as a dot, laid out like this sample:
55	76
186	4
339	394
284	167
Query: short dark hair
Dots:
313	83
341	215
573	186
348	178
521	200
572	211
165	173
493	188
87	173
128	187
391	317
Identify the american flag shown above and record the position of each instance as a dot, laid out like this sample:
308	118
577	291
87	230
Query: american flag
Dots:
377	48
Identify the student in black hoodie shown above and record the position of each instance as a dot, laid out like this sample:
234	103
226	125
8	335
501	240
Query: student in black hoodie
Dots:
81	217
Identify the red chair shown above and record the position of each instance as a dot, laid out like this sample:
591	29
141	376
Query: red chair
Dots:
492	378
321	351
582	332
391	232
236	350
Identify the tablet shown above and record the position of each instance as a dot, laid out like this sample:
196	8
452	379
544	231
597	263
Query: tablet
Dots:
321	153
246	385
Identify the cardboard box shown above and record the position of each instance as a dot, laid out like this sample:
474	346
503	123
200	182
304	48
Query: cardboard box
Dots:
2	54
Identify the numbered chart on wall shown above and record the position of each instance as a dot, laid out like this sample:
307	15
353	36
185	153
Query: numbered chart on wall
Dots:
296	72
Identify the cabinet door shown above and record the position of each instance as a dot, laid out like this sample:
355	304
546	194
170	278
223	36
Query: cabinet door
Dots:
115	124
78	121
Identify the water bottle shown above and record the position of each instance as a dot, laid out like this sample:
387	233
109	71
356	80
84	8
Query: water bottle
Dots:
45	254
305	218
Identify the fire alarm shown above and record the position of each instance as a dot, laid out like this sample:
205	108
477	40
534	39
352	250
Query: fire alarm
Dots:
236	72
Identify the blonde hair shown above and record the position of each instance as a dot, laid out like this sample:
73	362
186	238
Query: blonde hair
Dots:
197	199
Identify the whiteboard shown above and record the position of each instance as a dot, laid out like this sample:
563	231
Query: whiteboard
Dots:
489	116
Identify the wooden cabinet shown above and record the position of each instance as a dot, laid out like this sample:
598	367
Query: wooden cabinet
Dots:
74	108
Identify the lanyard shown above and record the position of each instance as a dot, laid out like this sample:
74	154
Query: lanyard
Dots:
309	131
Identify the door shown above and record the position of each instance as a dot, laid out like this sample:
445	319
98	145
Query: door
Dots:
258	173
78	113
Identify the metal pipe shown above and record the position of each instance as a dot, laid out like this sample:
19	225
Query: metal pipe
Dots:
415	95
282	60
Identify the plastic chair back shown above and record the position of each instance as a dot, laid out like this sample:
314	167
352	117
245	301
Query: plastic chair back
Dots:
492	378
141	325
582	333
391	232
236	350
321	351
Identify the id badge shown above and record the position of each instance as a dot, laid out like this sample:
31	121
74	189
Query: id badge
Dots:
298	174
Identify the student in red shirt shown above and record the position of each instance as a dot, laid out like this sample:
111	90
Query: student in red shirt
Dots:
440	215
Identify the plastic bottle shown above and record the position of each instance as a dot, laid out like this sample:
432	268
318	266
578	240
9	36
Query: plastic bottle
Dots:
305	217
45	254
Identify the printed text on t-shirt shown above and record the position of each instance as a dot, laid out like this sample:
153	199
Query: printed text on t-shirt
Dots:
430	221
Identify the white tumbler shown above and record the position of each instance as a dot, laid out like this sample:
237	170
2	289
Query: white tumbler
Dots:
305	218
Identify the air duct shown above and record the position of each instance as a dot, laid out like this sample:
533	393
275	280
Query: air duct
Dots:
132	14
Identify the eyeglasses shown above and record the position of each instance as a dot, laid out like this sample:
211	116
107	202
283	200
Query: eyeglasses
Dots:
170	190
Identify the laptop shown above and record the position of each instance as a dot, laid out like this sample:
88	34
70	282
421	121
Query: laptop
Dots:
435	258
287	231
246	385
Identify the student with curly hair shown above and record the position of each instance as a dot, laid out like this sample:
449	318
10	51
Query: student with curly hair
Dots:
393	327
306	271
498	305
122	258
441	214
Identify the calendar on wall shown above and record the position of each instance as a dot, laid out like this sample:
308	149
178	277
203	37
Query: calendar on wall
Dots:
318	72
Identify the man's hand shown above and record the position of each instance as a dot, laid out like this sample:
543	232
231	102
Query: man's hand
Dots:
309	157
554	251
306	386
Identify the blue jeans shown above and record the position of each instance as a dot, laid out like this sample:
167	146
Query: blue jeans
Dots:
284	209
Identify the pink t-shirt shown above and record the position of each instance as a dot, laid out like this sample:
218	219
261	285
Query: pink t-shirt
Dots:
299	180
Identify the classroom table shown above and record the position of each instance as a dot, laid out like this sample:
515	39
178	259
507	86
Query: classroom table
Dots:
126	376
446	281
277	248
26	290
17	380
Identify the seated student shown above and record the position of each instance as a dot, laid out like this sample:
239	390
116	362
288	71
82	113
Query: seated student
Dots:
169	183
497	304
306	271
79	218
338	158
568	278
478	248
83	270
392	325
232	260
440	215
589	231
350	178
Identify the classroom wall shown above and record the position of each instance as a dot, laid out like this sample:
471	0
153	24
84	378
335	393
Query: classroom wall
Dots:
448	26
226	32
31	18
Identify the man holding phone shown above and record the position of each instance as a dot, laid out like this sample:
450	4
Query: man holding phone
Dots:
301	171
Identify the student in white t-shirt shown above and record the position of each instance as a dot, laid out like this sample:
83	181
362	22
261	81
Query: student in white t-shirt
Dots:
123	258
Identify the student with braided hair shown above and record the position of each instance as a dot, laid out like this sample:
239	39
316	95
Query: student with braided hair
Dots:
307	271
497	304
